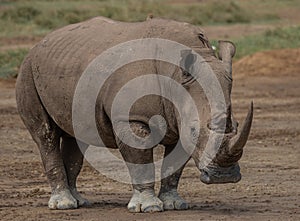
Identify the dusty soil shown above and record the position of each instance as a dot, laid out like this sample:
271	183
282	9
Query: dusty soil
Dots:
269	190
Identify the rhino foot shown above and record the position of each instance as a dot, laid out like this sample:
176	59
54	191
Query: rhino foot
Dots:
62	200
80	200
172	201
145	201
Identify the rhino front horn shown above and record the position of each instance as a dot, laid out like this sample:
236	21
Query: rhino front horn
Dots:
237	143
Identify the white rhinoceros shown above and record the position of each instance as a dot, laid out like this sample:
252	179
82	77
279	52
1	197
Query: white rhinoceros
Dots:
45	90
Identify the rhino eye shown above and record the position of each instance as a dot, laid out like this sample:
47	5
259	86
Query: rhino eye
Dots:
188	79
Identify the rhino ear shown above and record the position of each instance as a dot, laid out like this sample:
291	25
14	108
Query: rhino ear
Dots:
187	62
226	52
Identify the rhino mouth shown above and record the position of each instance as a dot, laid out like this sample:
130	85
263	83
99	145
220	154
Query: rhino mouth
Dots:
218	175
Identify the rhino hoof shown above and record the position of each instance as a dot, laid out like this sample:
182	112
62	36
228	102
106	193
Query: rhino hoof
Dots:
80	200
62	200
145	202
172	201
152	209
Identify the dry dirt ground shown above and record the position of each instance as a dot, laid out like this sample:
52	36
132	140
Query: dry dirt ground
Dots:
269	189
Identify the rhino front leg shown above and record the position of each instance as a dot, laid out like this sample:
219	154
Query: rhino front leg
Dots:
73	160
169	184
141	169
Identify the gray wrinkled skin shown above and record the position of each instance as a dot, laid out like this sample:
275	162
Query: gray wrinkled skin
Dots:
45	89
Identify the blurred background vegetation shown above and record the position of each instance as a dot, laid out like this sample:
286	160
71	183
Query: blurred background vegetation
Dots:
24	22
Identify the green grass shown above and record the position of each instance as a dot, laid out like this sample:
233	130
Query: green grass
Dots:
273	39
10	62
32	17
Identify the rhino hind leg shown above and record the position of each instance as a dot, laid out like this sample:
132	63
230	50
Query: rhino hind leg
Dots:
46	134
142	172
73	160
168	192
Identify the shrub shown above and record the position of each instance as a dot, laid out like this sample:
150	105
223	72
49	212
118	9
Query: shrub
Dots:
10	62
21	14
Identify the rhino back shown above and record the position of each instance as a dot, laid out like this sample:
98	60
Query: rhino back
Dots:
59	60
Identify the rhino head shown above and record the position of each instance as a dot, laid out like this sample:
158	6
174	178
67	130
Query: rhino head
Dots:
222	166
220	143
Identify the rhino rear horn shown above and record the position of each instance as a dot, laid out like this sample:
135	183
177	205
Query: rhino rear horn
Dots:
226	53
237	143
